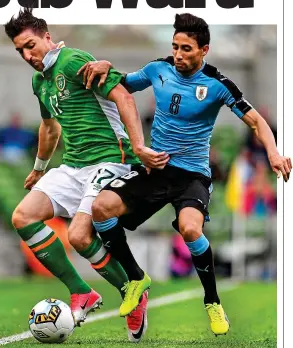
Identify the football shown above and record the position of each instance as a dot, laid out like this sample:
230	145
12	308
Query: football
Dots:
51	321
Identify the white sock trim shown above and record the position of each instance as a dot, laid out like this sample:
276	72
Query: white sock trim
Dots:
98	255
39	236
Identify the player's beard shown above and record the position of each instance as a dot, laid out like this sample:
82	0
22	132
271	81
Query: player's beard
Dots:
181	67
180	64
186	70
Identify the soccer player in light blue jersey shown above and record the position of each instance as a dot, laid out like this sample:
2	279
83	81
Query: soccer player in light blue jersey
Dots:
189	94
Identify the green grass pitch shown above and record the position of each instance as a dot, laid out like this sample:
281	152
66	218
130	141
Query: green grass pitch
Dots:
251	308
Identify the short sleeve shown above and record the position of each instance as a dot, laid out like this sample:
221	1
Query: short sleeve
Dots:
35	86
77	61
44	112
140	79
233	98
113	79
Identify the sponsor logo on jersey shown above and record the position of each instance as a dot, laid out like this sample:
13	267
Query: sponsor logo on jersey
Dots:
162	80
64	95
60	82
201	92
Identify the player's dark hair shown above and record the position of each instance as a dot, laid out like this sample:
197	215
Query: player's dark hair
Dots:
194	27
25	20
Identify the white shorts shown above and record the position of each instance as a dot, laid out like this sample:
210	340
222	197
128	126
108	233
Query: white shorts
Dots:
73	190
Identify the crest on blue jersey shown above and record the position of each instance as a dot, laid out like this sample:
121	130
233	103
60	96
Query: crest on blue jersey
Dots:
201	92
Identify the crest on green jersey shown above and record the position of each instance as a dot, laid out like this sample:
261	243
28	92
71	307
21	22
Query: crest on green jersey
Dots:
60	82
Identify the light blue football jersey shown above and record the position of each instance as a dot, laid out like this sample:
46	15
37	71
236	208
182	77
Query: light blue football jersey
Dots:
186	109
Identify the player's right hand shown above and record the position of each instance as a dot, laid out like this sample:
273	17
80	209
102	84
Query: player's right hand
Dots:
32	179
93	69
151	158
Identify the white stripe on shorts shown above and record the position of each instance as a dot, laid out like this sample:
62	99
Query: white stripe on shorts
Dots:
39	236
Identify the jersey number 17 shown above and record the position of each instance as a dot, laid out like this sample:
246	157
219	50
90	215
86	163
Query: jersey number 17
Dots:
55	105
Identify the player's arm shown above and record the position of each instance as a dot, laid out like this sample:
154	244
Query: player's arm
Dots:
264	133
133	82
113	90
233	98
49	134
130	117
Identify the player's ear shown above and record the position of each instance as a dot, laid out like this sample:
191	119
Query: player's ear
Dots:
205	50
47	36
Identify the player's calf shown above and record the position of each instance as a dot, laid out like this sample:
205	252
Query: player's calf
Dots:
105	264
49	250
202	258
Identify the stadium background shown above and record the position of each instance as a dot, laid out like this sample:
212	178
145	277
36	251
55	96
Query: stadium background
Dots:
243	205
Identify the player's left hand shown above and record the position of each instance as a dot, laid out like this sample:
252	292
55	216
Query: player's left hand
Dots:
281	166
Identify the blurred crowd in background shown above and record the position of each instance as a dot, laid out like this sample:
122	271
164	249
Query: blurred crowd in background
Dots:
243	206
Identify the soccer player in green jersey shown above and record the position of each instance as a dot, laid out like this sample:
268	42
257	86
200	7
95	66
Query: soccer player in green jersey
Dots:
97	150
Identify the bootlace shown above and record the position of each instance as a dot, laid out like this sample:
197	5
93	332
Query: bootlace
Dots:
214	312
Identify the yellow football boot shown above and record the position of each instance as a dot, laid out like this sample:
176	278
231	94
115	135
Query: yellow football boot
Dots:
133	292
219	322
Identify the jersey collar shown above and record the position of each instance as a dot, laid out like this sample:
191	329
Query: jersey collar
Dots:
52	56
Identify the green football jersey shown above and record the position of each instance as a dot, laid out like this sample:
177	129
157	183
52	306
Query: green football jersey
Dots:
92	131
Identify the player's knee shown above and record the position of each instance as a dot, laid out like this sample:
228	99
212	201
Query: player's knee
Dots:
101	210
191	231
20	218
78	238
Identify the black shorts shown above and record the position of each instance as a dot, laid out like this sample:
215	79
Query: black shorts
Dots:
145	194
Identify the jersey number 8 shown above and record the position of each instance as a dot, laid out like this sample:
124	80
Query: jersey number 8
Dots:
175	103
